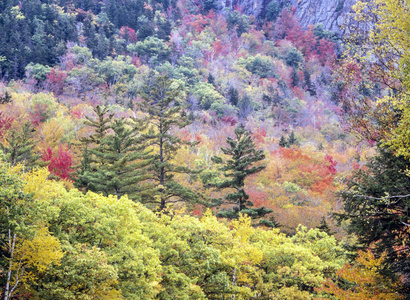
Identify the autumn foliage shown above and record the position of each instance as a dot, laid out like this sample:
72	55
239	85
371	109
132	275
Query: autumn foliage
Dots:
60	162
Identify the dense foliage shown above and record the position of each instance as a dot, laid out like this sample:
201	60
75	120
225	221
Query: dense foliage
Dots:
141	140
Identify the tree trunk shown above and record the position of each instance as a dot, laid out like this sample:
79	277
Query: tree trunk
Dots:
161	169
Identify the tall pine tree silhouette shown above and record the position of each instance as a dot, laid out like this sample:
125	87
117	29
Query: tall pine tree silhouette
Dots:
162	114
100	126
242	162
18	146
117	158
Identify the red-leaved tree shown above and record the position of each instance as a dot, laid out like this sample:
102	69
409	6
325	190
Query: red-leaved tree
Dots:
55	81
60	162
5	124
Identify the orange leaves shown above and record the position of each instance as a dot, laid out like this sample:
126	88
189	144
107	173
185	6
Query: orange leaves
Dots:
361	280
258	198
5	124
308	171
219	48
259	136
298	185
197	22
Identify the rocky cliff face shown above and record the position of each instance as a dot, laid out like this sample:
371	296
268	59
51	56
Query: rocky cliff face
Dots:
249	7
331	13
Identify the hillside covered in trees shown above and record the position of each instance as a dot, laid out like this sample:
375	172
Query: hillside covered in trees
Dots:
174	150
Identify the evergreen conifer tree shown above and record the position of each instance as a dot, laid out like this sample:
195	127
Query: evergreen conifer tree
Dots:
245	106
123	160
241	163
292	139
325	227
282	142
211	79
114	158
100	126
18	146
161	115
6	99
233	96
376	203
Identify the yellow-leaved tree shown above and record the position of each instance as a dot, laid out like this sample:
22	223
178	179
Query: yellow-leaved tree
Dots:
87	246
362	280
383	37
27	247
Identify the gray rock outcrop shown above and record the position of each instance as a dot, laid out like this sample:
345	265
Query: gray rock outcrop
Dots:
331	13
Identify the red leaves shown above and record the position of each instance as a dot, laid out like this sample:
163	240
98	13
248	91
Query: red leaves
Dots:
306	42
331	164
259	136
55	80
325	51
198	22
38	114
230	120
308	172
186	135
5	124
128	33
77	113
60	162
219	48
258	198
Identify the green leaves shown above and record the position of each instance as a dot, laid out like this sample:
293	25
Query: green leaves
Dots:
376	203
162	114
243	156
118	249
87	222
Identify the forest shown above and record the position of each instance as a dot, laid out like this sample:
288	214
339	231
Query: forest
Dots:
173	150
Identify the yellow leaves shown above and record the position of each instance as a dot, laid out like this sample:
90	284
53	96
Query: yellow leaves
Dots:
30	257
15	11
51	134
293	293
117	249
360	8
36	183
41	251
389	40
397	135
362	280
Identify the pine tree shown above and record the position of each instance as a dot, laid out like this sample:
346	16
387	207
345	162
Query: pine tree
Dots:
122	158
161	115
241	163
114	158
245	106
6	99
211	79
233	96
101	126
325	227
283	143
292	139
18	146
376	204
